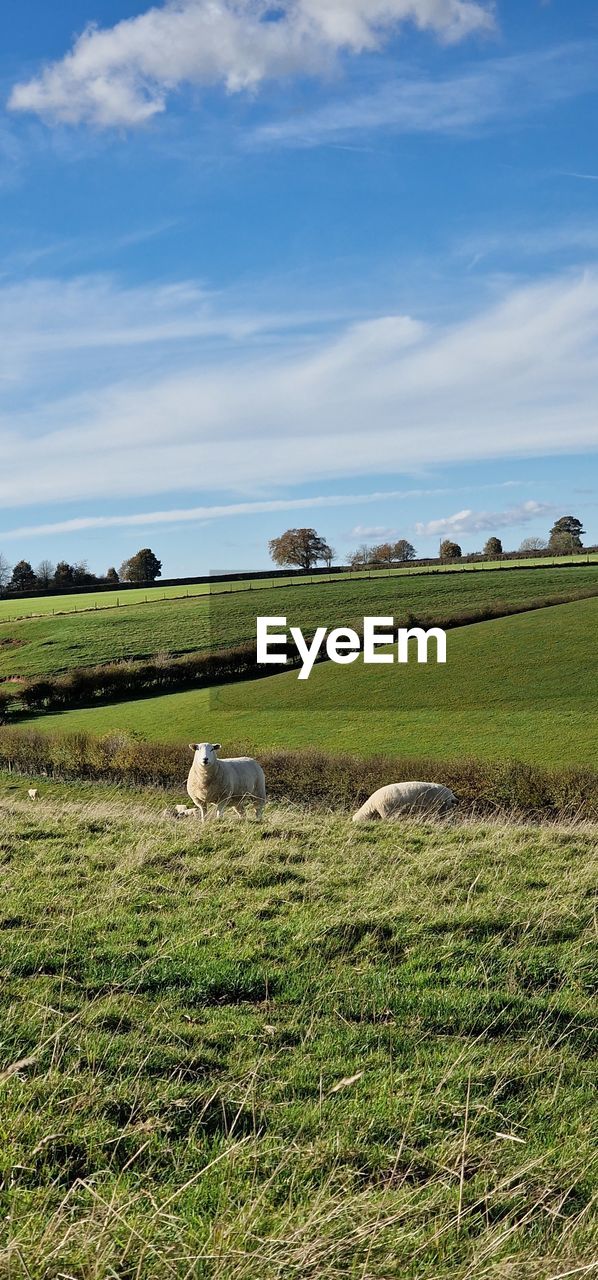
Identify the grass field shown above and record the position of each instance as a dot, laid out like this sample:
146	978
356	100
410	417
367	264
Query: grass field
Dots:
51	644
81	601
296	1051
84	601
524	687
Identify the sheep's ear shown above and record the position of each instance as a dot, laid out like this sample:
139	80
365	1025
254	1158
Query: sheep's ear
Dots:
193	747
216	746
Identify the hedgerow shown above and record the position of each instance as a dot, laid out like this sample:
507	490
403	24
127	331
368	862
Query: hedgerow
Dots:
310	777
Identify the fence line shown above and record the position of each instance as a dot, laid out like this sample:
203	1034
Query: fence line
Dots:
263	584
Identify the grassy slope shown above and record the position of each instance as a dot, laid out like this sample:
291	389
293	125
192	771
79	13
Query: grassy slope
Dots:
11	609
50	644
303	1051
84	601
524	687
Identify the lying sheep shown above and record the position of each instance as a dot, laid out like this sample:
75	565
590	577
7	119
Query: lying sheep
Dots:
405	798
233	782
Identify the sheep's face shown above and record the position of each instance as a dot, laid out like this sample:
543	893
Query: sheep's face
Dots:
205	753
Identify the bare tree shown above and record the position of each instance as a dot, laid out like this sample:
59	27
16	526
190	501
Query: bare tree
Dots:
45	573
330	556
533	544
4	571
359	558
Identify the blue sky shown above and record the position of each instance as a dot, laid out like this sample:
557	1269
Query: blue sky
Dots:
329	263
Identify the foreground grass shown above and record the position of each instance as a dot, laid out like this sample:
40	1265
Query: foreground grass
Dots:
523	688
294	1050
49	644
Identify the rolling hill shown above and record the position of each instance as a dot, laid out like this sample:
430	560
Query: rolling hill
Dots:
50	644
524	687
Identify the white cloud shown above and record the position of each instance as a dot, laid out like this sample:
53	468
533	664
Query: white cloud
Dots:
571	238
184	515
122	75
470	101
584	177
232	510
226	511
93	311
468	521
60	333
239	415
372	531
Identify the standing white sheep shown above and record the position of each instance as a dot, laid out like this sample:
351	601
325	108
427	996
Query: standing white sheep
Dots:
224	782
405	798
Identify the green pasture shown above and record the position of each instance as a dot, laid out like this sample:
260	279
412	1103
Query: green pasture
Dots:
296	1050
524	687
50	644
81	601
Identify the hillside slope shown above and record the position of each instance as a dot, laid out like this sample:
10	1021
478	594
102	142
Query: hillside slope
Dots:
524	687
44	645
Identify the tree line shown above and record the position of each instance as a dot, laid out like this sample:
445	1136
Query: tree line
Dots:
144	566
305	548
296	548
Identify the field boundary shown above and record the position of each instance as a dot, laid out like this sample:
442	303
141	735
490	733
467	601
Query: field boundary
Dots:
306	580
339	782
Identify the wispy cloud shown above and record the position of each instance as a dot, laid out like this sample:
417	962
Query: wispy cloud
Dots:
373	531
56	332
470	101
271	403
469	521
584	177
73	250
230	510
577	238
123	75
12	155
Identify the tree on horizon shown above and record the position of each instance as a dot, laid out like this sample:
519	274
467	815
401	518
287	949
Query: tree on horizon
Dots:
299	547
142	567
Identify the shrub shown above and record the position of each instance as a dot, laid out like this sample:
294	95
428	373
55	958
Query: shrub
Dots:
6	697
35	694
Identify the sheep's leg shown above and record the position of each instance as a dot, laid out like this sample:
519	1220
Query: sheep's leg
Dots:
259	806
220	807
200	812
